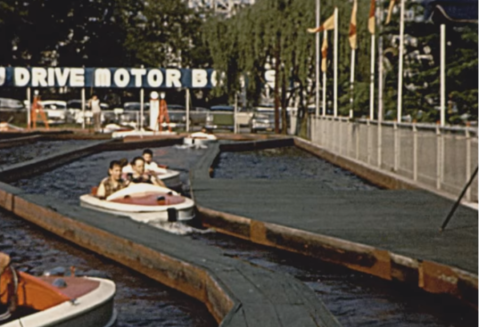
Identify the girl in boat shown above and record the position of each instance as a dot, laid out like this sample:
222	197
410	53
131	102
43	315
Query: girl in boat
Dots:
113	182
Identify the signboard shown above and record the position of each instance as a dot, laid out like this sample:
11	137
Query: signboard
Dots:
107	77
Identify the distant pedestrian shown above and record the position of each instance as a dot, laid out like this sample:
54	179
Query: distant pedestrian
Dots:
94	104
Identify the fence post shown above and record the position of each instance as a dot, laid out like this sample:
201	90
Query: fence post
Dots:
414	152
438	157
357	139
468	161
396	148
369	141
380	143
350	136
340	137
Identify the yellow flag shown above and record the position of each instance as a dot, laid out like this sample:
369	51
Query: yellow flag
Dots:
327	25
390	11
324	54
372	17
352	27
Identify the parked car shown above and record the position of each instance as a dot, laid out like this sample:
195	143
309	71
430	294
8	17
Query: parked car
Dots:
7	104
263	119
220	117
243	116
177	114
76	112
56	111
131	113
198	116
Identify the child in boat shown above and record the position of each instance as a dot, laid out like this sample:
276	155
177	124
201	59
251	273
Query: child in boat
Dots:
150	165
113	182
139	176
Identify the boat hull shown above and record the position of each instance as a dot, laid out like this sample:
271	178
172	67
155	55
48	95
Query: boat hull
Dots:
135	202
94	309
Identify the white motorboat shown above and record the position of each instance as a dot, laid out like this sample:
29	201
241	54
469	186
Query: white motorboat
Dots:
171	178
139	133
145	203
28	301
200	138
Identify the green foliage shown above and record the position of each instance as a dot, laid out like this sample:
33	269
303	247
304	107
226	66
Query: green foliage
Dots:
269	29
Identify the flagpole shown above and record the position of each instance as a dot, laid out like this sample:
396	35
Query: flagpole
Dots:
379	11
371	89
443	75
325	36
335	101
401	60
351	81
318	55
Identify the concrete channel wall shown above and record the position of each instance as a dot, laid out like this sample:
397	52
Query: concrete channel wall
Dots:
235	292
428	275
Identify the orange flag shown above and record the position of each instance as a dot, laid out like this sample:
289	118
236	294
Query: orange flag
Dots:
372	17
390	11
324	54
327	25
352	27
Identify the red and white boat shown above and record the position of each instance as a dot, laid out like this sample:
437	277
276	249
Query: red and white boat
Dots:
143	202
28	301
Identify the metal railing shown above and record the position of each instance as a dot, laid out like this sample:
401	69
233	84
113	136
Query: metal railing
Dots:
439	157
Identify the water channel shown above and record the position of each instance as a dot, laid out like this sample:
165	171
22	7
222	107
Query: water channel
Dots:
356	299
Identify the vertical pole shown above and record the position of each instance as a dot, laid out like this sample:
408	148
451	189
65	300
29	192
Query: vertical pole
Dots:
438	157
396	148
380	143
318	56
335	62
443	75
29	107
380	13
401	61
235	127
468	161
142	94
325	36
187	110
358	126
340	136
368	126
351	82
414	152
371	89
83	100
